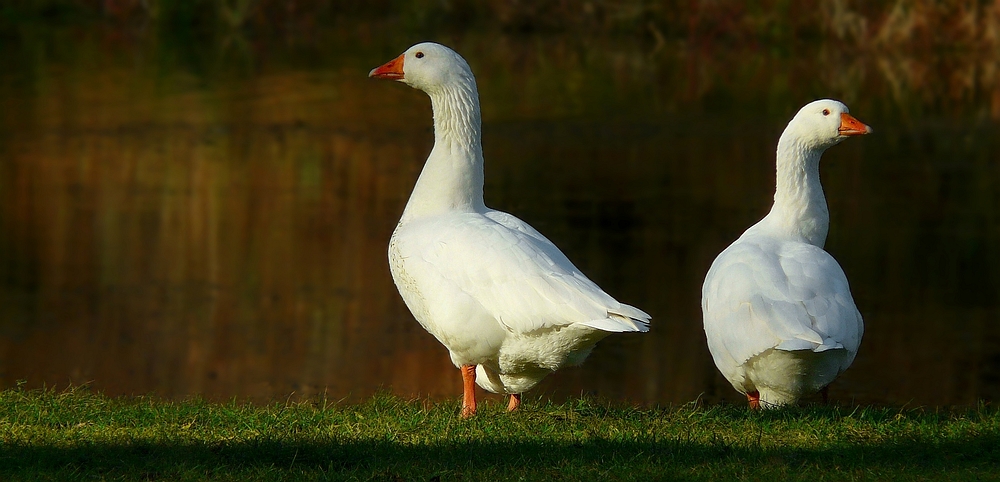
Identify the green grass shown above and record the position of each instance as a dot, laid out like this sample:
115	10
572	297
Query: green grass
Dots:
77	435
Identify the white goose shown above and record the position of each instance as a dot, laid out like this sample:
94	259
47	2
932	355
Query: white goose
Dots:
778	312
508	305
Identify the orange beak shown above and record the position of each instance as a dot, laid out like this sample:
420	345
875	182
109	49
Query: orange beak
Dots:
391	70
849	126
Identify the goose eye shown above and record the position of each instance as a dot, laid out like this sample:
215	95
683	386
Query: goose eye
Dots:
826	111
419	55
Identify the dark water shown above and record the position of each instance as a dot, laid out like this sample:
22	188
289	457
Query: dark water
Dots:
212	219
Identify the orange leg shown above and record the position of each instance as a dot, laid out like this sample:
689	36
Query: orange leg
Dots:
469	396
515	402
754	399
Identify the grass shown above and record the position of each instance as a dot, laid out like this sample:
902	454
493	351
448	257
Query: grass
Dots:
76	435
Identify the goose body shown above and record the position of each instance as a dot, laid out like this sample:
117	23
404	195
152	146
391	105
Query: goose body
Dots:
777	309
505	301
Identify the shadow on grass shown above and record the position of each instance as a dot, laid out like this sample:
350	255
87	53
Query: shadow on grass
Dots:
671	455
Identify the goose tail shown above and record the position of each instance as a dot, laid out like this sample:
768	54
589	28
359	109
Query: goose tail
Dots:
622	320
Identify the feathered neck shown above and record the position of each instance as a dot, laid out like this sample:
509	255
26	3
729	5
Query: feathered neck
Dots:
799	208
452	177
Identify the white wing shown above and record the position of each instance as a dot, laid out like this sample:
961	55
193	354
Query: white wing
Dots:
771	294
516	275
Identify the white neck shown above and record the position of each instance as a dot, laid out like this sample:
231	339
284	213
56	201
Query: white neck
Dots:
452	178
799	208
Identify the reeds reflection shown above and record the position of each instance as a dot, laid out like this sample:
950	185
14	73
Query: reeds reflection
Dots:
204	219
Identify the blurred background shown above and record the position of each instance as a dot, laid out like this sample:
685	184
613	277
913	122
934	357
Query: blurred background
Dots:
196	196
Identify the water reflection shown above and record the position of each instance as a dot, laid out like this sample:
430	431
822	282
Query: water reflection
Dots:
185	227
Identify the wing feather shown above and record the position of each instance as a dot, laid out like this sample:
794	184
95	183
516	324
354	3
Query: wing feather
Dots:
785	295
514	274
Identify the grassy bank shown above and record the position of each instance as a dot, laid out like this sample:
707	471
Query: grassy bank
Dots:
74	435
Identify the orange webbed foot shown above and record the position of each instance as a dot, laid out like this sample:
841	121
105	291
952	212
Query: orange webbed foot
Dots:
515	402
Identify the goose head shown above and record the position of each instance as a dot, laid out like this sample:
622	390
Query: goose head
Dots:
426	66
822	124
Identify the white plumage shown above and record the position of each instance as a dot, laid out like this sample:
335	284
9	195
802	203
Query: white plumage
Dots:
508	305
778	312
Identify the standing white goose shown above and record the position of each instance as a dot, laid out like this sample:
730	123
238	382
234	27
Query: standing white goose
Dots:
778	312
508	305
